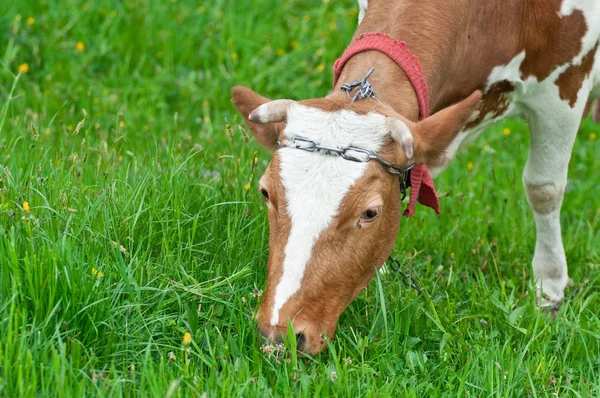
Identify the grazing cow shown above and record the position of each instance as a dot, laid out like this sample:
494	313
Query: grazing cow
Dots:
334	219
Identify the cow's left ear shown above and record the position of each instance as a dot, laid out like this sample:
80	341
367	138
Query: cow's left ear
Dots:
434	135
246	101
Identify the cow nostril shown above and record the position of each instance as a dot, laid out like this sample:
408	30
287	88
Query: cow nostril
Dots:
271	337
300	340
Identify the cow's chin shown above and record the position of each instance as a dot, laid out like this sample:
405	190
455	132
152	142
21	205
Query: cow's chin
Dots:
314	323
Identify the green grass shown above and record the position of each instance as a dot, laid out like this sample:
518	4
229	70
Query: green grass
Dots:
141	228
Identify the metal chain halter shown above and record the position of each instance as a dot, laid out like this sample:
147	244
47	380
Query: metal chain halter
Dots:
352	154
365	89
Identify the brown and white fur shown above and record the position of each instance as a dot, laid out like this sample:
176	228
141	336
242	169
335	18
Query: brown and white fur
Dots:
533	59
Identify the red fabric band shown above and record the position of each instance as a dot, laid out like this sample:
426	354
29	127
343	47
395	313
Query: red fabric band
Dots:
399	53
422	189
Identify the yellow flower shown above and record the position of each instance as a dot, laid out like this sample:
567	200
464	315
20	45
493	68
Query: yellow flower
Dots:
97	273
294	44
592	137
30	21
280	52
247	187
26	207
321	68
121	124
187	339
470	166
120	158
79	46
23	68
234	56
506	131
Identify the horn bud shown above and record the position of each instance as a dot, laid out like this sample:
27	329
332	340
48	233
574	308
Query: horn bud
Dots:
271	112
402	135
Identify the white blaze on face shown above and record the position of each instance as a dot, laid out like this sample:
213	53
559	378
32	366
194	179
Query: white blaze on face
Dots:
315	183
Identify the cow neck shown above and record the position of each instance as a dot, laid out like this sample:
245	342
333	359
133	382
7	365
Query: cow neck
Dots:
408	95
375	45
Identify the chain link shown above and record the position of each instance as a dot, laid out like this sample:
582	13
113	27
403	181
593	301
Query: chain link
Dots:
395	265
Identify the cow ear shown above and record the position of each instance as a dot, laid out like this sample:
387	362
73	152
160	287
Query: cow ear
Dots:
246	100
434	135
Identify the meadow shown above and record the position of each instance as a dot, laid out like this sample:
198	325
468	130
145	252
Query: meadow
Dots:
133	243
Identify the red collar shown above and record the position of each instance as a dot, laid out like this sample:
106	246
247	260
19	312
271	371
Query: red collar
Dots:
399	53
422	189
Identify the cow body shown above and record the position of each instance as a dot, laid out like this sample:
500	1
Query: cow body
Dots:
332	223
537	60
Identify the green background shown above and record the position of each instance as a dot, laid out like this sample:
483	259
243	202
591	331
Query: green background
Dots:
145	224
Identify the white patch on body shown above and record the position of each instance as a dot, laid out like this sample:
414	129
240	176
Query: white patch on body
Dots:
588	7
362	5
316	183
567	8
510	71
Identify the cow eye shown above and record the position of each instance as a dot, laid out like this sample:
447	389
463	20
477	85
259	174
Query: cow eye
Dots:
265	194
369	215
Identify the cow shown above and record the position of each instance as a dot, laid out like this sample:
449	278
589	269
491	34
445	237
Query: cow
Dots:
420	80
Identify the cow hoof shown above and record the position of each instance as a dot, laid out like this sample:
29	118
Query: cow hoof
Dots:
546	303
552	296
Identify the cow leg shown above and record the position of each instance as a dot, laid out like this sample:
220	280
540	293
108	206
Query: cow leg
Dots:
588	106
362	5
545	179
596	110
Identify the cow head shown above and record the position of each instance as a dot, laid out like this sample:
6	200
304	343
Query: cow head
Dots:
333	222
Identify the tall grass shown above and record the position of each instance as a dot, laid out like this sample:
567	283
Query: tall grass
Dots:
142	222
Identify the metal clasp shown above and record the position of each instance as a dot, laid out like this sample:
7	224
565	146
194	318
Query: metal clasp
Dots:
404	183
365	90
